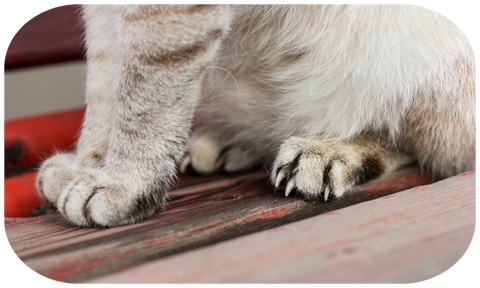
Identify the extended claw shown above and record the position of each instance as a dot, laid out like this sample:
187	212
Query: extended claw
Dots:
184	164
325	194
290	186
280	177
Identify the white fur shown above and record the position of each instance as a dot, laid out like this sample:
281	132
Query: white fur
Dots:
316	78
364	66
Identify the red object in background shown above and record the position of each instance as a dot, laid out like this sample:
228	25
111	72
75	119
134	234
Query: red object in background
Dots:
21	197
28	140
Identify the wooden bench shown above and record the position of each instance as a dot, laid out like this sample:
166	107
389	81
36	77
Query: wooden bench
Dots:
233	228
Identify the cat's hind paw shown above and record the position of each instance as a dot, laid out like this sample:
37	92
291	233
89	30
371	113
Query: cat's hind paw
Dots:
208	154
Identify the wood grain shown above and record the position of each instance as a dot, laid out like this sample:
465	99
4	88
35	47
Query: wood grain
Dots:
406	237
201	215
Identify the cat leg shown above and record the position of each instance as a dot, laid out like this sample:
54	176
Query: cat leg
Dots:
103	68
316	166
439	129
165	51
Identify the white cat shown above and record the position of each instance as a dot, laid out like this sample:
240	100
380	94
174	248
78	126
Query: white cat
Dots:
331	96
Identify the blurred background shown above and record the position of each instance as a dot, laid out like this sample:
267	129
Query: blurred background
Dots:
43	89
44	66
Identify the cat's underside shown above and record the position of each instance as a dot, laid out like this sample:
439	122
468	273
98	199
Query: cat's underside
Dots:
328	96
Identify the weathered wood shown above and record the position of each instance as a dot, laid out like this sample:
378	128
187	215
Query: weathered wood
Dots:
409	236
196	217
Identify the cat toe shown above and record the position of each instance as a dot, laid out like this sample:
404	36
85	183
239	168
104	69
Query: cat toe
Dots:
314	169
237	159
204	152
54	175
312	177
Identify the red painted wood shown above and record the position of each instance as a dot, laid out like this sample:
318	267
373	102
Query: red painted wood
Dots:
197	216
53	36
402	238
28	140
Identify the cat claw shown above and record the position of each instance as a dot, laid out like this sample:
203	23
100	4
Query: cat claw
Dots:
185	162
290	186
325	194
280	177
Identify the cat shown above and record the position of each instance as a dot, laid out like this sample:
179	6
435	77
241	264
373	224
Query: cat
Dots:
329	96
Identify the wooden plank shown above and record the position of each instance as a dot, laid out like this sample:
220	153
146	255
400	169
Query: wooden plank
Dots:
52	36
196	217
406	237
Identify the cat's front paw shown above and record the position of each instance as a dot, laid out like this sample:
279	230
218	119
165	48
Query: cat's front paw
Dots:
94	199
316	167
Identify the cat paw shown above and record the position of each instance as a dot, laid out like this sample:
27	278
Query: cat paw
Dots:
208	155
54	175
94	199
317	168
